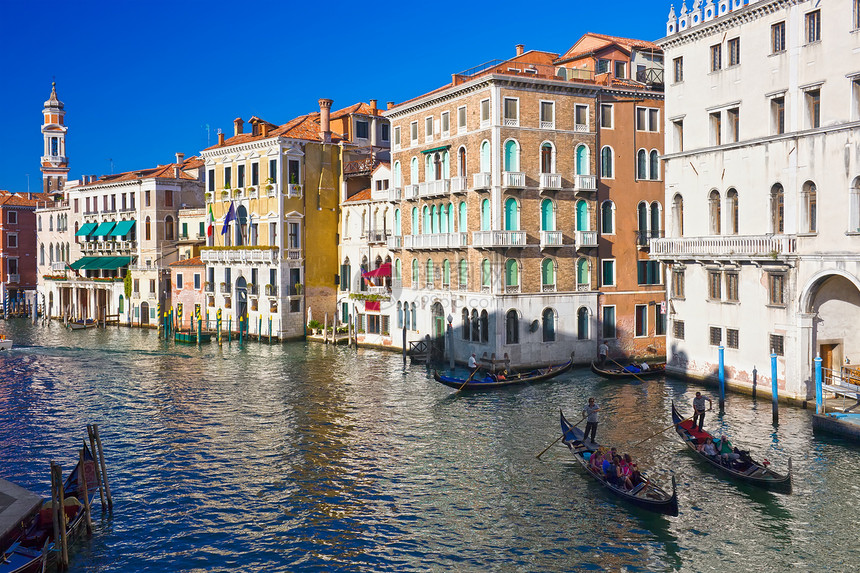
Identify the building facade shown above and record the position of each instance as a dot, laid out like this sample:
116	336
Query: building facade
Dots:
55	163
762	188
18	263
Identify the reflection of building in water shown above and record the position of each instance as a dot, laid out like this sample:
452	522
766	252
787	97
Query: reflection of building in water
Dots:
763	189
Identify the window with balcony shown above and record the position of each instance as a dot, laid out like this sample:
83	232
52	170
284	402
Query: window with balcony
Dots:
583	160
607	112
812	25
607	272
547	158
580	115
228	180
512	156
678	68
777	110
609	330
716	57
547	115
607	160
547	215
511	111
485	156
777	38
485	112
813	108
734	49
777	209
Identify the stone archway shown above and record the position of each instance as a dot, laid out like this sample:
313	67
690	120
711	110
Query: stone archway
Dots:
832	300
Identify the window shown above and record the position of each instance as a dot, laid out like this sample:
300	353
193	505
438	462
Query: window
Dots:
678	127
607	218
361	129
446	123
240	176
511	111
211	180
678	329
813	26
179	281
813	108
12	218
715	337
151	285
641	322
413	131
641	164
386	132
716	58
602	66
810	207
654	165
12	240
660	319
678	215
255	173
777	344
273	170
548	325
608	272
714	284
620	69
196	281
678	66
512	328
733	117
777	209
856	21
428	129
606	163
461	118
547	115
647	119
716	123
228	180
648	272
606	115
582	323
608	322
485	112
734	47
732	287
733	214
776	288
715	212
580	115
777	110
678	283
777	38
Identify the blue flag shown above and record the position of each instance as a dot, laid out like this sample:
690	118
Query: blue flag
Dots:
230	216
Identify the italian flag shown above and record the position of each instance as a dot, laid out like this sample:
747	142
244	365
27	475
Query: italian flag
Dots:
210	229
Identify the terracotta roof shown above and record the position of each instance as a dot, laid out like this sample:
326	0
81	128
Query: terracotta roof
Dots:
159	172
9	199
591	42
359	108
363	195
192	262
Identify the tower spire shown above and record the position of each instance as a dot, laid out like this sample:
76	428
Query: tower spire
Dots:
55	163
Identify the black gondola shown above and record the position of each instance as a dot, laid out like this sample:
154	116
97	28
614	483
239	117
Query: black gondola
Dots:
628	372
490	381
646	495
746	470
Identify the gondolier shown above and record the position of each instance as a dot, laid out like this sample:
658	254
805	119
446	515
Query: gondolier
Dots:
602	353
699	409
590	414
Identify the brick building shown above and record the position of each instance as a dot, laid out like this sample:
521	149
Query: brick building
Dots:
18	275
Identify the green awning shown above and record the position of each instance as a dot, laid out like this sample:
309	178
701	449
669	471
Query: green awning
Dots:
122	228
100	263
83	261
85	230
440	148
103	230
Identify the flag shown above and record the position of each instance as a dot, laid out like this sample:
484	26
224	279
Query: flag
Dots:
230	216
210	229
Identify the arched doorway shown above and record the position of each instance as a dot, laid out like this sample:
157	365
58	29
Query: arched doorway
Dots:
437	320
242	302
144	314
833	300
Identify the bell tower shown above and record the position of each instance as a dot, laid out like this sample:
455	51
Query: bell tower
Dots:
55	164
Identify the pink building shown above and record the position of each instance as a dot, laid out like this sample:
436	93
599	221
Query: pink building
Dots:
187	278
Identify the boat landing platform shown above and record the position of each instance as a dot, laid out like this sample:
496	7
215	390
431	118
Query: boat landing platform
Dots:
842	424
16	505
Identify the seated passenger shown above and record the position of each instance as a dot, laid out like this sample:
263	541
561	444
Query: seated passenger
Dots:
644	366
727	453
708	448
624	473
635	475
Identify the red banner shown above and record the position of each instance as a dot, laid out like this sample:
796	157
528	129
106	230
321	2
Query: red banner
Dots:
371	305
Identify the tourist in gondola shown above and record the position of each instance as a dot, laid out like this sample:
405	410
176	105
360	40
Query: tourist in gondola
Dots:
625	473
727	452
590	414
699	409
635	475
708	448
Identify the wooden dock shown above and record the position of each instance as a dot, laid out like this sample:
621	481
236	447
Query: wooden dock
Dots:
16	505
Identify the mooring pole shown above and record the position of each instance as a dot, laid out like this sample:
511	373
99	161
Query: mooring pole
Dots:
819	387
103	466
83	489
774	389
94	451
722	352
404	346
755	382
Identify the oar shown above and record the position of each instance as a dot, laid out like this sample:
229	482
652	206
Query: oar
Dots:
469	379
557	439
634	374
658	433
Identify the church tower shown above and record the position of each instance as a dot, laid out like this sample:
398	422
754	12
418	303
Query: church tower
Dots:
55	164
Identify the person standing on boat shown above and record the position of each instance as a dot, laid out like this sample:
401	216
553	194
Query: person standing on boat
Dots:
473	363
591	419
699	409
602	353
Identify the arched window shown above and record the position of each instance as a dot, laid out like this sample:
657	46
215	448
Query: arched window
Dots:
398	178
42	255
854	207
582	323
463	279
465	327
582	273
461	162
547	158
485	157
450	214
428	221
810	207
547	215
462	221
147	226
678	216
414	220
413	171
50	253
446	273
547	274
435	218
606	162
656	225
428	168
415	273
407	322
654	165
512	215
512	273
485	326
414	319
777	209
512	328
437	166
607	218
512	156
642	164
548	325
715	212
732	205
168	230
398	228
476	332
399	314
397	270
485	215
582	167
430	273
642	221
51	223
581	215
485	273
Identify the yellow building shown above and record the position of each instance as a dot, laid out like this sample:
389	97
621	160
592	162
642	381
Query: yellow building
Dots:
273	192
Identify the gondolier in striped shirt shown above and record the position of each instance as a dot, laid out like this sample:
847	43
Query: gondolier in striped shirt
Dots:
590	413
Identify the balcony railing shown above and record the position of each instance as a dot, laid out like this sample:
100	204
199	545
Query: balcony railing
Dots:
481	180
243	255
411	191
14	278
586	239
551	239
458	184
292	190
395	194
271	290
498	238
547	288
209	286
643	237
513	179
436	241
294	254
226	288
434	188
253	289
739	246
585	183
376	236
581	127
394	242
512	289
377	290
58	266
550	181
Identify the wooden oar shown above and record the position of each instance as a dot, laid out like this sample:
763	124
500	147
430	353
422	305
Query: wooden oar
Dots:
660	432
558	438
634	374
469	379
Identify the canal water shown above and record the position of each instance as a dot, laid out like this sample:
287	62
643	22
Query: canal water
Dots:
303	457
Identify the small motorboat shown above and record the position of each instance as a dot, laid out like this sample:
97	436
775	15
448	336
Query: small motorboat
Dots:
5	343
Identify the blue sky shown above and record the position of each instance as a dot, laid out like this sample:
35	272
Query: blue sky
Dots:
142	80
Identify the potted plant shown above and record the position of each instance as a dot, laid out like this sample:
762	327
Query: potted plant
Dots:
299	288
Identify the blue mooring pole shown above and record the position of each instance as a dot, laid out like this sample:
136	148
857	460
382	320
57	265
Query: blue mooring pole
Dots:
722	380
819	388
774	391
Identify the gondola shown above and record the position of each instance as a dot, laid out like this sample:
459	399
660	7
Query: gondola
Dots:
746	470
646	495
82	324
490	381
628	372
191	337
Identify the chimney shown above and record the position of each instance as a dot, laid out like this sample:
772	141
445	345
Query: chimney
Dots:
389	105
237	126
220	138
325	119
520	49
180	157
373	106
264	129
